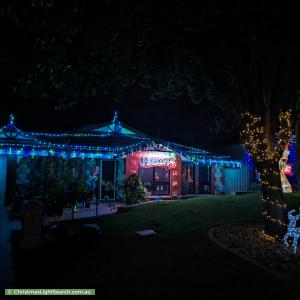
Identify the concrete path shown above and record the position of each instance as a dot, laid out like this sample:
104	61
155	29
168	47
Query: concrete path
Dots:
103	209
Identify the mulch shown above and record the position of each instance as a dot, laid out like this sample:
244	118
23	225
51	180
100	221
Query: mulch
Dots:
248	241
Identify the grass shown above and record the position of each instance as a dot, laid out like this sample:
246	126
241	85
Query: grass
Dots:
179	262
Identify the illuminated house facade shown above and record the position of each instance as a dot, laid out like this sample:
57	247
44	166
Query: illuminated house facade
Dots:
108	152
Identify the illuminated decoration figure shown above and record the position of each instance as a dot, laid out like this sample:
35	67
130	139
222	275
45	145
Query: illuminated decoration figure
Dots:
92	175
292	231
218	182
284	170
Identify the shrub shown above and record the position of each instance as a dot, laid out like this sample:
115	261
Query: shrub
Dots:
134	190
56	185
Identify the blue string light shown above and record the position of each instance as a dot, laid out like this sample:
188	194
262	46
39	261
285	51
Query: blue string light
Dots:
36	144
11	119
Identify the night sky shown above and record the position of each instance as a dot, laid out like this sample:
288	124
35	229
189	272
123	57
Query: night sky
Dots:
165	119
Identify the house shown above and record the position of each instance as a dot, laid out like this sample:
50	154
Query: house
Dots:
105	153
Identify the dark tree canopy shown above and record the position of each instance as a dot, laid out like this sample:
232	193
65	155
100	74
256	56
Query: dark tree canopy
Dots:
234	55
65	51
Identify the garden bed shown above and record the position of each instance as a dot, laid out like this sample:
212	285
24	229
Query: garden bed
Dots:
248	241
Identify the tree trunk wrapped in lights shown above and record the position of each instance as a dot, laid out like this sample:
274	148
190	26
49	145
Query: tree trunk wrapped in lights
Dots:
266	151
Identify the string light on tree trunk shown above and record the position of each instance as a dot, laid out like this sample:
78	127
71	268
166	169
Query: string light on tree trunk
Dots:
266	155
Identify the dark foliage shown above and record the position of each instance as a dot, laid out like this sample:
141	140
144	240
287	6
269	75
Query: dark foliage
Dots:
134	190
64	51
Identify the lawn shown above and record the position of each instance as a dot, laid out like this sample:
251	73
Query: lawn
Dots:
180	262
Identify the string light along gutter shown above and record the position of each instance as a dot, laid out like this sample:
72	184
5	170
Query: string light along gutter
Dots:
76	147
37	152
84	135
31	149
57	149
31	145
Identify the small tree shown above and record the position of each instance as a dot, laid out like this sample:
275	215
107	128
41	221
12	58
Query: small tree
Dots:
134	190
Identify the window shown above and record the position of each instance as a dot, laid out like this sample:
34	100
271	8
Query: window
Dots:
188	178
204	179
146	175
161	174
156	180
